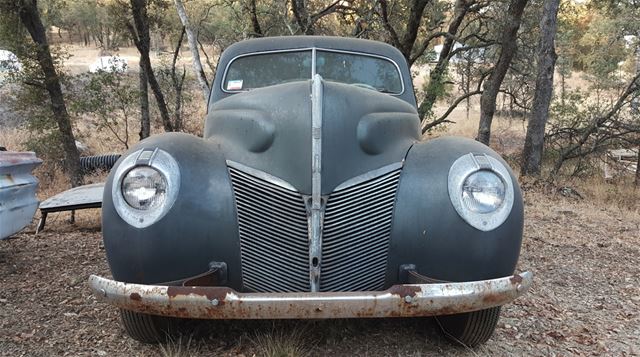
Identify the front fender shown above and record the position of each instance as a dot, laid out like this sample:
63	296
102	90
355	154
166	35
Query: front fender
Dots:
428	232
200	228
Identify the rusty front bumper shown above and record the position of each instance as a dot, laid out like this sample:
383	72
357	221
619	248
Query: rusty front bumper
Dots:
225	303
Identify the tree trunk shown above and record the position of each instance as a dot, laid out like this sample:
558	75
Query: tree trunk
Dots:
412	27
534	141
299	10
30	18
635	102
142	41
492	86
636	107
192	39
563	87
434	88
178	81
467	85
253	13
306	21
406	41
637	180
145	122
573	150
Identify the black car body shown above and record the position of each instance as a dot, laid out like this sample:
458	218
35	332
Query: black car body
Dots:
311	196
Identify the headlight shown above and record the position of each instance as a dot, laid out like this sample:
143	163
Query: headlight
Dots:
144	188
481	190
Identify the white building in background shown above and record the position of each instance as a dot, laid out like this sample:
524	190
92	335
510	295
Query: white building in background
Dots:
475	55
630	41
9	62
109	64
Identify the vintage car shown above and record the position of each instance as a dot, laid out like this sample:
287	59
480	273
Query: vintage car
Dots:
311	196
18	187
9	62
109	64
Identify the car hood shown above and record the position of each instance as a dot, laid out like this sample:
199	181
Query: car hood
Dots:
270	130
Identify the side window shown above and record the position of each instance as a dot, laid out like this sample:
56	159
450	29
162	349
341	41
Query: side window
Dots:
379	73
267	69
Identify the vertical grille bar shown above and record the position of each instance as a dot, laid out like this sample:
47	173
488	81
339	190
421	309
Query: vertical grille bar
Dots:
356	234
273	235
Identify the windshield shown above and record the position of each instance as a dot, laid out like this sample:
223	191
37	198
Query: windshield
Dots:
262	70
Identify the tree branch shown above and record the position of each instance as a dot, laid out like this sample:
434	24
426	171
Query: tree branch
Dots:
443	118
384	14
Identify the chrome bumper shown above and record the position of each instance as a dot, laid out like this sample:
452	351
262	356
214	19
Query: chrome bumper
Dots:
224	303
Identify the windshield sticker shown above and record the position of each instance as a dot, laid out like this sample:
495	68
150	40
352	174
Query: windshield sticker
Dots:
234	85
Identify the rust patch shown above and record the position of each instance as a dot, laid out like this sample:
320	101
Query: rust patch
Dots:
219	293
493	299
404	290
516	279
135	297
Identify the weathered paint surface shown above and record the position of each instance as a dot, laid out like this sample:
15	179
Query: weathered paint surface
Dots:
77	196
407	300
81	197
18	187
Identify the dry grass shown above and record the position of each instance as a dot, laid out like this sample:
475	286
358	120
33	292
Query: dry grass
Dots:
507	139
104	142
583	302
623	194
180	347
82	57
507	133
572	245
13	139
281	342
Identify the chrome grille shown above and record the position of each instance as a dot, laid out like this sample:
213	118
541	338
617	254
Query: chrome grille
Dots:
355	240
273	235
274	241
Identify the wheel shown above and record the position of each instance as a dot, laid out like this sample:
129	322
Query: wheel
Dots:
471	328
147	328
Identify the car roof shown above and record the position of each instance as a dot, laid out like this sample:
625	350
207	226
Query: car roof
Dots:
329	42
265	44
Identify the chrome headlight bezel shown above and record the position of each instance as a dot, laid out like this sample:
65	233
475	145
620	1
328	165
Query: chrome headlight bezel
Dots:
159	160
466	166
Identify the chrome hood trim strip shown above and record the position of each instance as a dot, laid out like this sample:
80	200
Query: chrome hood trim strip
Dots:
316	208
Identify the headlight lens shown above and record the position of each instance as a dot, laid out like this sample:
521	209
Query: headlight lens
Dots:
483	192
144	188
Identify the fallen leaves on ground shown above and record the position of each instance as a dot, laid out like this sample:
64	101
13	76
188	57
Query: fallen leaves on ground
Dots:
585	299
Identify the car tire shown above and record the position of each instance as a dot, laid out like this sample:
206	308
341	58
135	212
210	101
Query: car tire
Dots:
472	328
147	328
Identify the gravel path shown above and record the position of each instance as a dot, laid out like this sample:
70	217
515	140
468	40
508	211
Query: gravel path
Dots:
585	299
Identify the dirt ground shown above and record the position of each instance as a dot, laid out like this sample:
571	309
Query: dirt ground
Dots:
585	299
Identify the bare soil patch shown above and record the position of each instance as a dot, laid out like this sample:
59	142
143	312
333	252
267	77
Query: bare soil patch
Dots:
585	299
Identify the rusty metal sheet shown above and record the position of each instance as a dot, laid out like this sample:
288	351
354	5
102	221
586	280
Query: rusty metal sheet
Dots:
18	188
620	162
87	196
81	197
225	303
